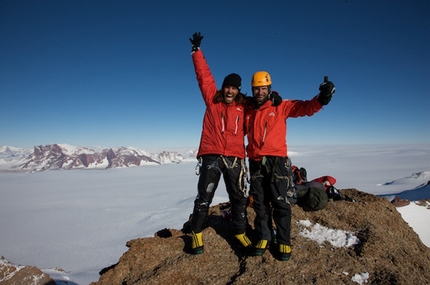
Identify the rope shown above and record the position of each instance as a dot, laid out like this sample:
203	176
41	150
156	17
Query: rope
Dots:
226	164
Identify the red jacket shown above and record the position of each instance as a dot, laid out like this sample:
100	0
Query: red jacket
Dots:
223	129
266	126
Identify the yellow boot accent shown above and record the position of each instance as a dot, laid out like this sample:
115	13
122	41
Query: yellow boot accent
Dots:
285	251
244	240
261	246
197	243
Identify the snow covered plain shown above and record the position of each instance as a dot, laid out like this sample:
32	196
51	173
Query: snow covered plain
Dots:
80	220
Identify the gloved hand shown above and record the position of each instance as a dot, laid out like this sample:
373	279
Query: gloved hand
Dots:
275	98
327	90
195	42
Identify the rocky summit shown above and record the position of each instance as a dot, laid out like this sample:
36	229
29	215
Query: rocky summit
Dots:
387	251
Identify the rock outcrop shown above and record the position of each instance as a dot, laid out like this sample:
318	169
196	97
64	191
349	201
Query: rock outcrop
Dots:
388	251
399	202
11	274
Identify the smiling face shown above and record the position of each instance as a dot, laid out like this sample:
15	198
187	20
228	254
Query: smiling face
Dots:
260	93
230	94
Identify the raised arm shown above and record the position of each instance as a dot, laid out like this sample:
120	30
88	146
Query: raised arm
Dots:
204	76
300	108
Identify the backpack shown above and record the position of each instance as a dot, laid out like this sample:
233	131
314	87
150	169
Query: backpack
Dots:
315	200
311	195
331	191
299	175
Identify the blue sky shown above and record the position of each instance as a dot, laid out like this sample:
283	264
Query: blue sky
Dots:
119	73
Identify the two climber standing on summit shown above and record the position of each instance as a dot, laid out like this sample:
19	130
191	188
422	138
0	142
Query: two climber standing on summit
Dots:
229	115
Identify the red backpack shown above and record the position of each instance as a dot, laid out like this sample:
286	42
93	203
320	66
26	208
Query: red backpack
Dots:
329	188
300	176
326	180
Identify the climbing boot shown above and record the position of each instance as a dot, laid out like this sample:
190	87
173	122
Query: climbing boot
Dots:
261	246
284	251
197	243
244	240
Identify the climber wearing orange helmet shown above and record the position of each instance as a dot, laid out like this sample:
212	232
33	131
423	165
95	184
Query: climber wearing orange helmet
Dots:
269	165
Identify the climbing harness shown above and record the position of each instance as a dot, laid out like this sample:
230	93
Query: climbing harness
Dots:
243	179
198	166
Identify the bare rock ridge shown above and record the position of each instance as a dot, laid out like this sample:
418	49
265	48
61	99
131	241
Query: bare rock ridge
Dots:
388	251
11	274
399	202
57	156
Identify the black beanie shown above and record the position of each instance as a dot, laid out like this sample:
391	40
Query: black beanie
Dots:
233	80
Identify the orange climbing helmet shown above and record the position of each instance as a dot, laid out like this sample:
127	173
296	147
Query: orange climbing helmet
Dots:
261	78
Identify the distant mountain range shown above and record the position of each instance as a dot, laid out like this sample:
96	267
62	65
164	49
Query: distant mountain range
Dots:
64	156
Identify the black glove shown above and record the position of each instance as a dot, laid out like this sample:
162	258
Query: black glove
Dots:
195	42
275	98
327	90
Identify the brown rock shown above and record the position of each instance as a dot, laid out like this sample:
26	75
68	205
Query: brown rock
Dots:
389	251
11	274
399	202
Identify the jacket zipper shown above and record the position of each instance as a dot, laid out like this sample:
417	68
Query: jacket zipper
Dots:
237	121
264	134
222	120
